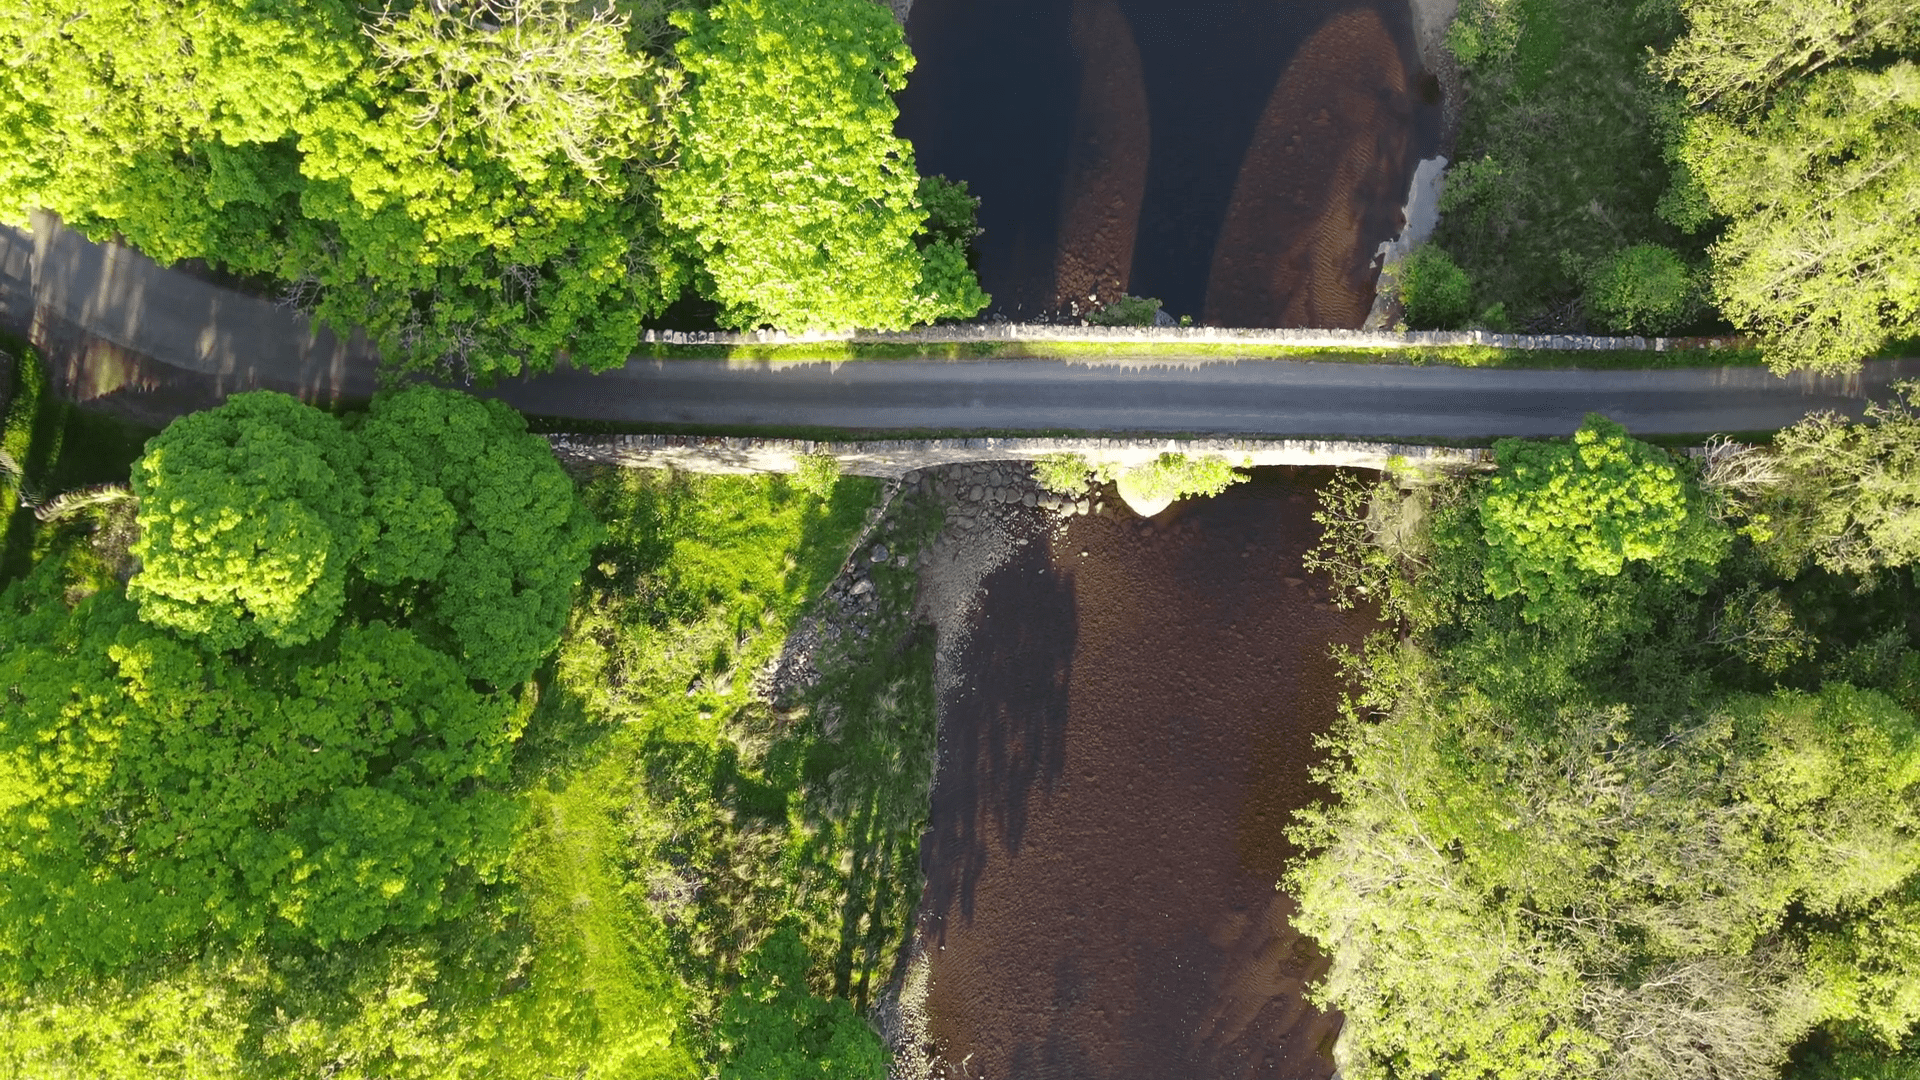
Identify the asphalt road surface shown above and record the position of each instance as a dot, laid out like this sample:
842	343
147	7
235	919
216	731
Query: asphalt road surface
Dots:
1202	397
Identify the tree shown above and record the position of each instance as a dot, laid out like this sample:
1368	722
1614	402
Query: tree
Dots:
1506	898
1844	495
467	182
163	796
250	515
262	517
477	515
1737	53
791	184
772	1028
1823	193
1558	514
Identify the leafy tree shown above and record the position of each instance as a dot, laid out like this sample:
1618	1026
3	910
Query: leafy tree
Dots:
1643	289
772	1028
262	516
250	515
1559	514
791	183
161	795
1434	289
1825	221
476	516
1503	898
1737	53
1844	495
466	181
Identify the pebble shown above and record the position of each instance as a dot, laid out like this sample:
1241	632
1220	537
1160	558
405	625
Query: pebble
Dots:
863	587
879	553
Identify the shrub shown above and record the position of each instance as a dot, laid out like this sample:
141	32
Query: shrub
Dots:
1643	289
1063	474
1176	476
816	474
1127	311
1434	290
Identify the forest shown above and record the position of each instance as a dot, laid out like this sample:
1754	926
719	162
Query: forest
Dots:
484	186
1684	166
1628	786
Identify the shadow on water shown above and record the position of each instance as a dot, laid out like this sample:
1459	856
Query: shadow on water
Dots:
1134	730
1003	737
1238	159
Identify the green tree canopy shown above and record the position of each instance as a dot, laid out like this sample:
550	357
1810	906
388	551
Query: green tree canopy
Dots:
801	200
772	1028
1845	496
250	515
1558	514
1503	899
476	518
1803	137
1823	195
469	186
160	795
262	517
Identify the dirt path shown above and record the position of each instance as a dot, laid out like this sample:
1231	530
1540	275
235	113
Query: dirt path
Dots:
1118	763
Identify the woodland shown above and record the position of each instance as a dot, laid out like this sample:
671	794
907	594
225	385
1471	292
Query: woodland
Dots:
380	745
1628	786
1676	166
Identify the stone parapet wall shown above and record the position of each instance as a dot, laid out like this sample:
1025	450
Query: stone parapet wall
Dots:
898	457
1176	335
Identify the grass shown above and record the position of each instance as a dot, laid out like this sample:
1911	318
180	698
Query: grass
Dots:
677	818
1448	355
1559	161
56	446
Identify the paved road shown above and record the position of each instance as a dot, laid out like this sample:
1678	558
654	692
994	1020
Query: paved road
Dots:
232	342
1224	397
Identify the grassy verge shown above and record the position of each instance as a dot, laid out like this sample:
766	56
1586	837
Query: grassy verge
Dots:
679	819
1479	356
51	446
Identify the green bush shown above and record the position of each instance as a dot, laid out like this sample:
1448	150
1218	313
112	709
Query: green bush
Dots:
772	1028
1559	514
1177	476
1064	474
1127	311
1643	289
816	474
1434	289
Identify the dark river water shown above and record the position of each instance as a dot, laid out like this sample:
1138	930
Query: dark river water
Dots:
1115	783
1238	159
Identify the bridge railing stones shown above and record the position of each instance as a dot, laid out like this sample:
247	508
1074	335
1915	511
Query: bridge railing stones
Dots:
891	458
1176	335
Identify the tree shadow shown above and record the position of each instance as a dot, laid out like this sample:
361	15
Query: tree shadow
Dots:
1003	730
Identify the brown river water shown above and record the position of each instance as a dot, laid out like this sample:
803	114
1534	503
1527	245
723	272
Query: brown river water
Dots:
1240	160
1134	728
